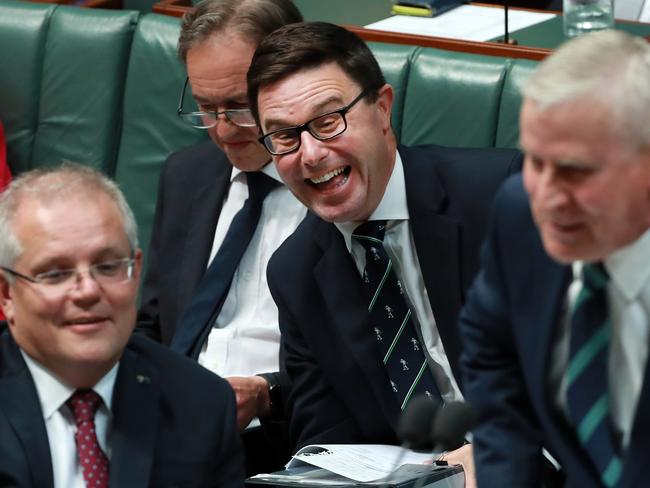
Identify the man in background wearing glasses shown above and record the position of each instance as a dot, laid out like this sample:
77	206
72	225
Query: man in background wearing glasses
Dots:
82	401
362	340
205	291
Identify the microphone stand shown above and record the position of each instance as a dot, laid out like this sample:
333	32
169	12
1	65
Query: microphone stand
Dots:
506	36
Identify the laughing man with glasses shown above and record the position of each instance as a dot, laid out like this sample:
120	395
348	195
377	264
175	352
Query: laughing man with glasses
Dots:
324	110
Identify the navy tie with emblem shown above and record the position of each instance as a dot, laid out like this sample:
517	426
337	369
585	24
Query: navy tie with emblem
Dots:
392	321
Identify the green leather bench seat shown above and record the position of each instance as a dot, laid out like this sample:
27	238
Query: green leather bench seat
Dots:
150	128
101	87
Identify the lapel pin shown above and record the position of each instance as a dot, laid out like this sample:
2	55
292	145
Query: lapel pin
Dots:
142	379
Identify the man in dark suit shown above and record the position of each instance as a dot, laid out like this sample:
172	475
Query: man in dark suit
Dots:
556	325
192	253
324	108
81	402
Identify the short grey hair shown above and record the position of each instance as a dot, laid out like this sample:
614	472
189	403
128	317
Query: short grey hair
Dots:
254	19
50	184
611	68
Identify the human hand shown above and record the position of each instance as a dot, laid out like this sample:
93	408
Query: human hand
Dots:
252	393
465	457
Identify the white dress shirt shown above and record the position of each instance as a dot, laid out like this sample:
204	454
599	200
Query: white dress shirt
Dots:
628	293
60	423
245	339
399	244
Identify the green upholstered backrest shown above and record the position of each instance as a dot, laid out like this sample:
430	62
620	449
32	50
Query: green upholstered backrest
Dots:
151	130
508	121
23	31
82	84
452	99
63	82
395	60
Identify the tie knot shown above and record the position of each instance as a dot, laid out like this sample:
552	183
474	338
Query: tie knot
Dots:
594	276
371	231
84	404
260	185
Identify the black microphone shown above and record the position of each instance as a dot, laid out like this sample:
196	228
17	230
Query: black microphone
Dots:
414	429
451	425
416	423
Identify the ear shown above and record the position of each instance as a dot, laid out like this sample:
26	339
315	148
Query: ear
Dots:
385	105
137	267
6	299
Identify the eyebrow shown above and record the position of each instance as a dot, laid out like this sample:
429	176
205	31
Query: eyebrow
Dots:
318	109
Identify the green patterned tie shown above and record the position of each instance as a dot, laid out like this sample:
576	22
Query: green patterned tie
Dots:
587	374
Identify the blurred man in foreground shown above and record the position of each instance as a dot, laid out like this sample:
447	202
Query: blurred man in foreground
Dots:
556	328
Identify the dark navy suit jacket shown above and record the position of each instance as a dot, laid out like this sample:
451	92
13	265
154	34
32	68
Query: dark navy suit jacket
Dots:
509	326
341	393
192	187
164	433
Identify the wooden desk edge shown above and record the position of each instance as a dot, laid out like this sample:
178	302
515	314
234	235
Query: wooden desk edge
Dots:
177	8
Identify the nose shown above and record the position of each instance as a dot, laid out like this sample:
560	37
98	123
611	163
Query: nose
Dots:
312	151
85	288
224	126
549	188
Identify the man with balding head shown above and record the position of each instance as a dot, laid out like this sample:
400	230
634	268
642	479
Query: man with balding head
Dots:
221	213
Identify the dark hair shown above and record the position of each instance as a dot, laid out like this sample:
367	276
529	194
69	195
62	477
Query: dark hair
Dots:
254	19
305	45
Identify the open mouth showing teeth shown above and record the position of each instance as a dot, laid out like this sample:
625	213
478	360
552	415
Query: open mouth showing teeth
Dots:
330	175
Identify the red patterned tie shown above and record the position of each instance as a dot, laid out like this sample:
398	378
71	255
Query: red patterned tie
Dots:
93	461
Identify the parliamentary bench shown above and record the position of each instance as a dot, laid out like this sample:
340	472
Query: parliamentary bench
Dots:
101	87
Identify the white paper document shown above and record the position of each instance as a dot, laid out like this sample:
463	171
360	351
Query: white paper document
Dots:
360	462
468	22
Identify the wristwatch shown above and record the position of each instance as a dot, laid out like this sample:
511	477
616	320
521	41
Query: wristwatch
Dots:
275	395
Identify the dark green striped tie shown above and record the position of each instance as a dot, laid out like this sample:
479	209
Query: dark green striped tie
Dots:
587	374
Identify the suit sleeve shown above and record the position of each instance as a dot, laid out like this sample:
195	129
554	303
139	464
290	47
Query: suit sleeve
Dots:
317	415
148	322
229	472
507	438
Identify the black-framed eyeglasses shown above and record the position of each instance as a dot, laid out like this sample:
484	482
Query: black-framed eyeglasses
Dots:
58	282
241	117
322	127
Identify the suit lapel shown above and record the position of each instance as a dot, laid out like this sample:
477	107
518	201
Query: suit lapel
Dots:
19	401
135	422
340	285
204	207
635	462
550	280
437	245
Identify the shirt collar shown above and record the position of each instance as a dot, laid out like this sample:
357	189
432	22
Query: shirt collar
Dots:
628	267
393	205
53	393
269	170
